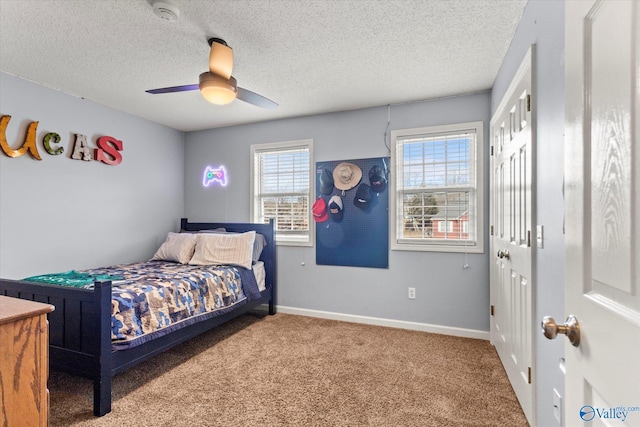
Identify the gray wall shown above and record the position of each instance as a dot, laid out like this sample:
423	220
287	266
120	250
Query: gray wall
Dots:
58	214
543	24
447	294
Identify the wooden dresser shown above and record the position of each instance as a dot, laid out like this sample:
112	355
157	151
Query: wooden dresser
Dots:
24	364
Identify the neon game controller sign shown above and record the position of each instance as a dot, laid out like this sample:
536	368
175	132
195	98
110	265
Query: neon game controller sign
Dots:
215	176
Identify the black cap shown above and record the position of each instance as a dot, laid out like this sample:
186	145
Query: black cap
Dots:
363	196
377	179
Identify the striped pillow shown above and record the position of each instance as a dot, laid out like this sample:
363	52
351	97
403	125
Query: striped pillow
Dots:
177	248
224	249
258	245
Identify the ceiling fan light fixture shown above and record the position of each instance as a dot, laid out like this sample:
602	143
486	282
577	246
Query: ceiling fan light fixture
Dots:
218	90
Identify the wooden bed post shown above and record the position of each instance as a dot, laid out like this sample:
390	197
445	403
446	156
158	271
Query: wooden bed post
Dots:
102	380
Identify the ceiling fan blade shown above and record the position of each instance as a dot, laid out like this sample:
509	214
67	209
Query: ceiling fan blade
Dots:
255	99
220	58
173	89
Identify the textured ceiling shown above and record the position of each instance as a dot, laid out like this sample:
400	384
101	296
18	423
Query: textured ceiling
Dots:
309	56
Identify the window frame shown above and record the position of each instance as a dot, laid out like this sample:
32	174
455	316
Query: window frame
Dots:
396	196
304	239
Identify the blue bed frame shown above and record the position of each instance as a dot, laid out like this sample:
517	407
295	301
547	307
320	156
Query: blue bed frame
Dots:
80	326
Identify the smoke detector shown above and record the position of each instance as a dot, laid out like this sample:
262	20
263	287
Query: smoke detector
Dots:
166	11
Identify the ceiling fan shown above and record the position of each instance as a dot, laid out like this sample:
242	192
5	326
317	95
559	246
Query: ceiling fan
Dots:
217	85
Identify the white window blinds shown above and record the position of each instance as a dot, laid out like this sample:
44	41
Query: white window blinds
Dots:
436	183
282	191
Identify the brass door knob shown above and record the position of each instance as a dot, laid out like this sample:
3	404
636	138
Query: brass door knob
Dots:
571	328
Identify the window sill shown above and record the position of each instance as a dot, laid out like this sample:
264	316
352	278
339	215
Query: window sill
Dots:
425	247
294	242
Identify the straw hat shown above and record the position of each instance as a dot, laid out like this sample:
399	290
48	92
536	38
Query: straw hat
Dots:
346	176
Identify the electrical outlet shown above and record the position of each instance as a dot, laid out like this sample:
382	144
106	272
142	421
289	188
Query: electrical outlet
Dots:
412	293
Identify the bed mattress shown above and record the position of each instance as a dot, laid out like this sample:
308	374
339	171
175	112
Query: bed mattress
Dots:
157	297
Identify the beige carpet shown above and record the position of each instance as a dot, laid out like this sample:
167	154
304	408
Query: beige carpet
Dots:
286	370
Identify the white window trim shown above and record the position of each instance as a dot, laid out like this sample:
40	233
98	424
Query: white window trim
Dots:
439	246
309	239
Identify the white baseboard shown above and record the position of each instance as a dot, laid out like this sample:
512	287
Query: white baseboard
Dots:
401	324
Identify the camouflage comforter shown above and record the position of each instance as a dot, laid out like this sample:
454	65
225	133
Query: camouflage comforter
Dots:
157	294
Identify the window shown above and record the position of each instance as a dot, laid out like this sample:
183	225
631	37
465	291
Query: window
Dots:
445	226
281	177
436	194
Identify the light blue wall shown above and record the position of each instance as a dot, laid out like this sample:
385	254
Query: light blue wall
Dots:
58	214
447	294
543	24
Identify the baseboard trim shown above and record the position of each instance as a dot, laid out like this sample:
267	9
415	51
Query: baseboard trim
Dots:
400	324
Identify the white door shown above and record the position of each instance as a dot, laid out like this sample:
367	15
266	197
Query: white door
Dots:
602	205
512	193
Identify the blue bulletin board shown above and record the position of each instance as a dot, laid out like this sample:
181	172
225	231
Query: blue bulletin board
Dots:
351	212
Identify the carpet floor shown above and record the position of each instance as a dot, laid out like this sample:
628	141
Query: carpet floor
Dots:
287	370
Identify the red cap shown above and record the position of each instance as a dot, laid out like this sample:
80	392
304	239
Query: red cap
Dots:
319	209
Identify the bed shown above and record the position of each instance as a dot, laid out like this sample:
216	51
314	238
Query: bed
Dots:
81	329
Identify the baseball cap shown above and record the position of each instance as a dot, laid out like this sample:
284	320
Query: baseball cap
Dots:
326	181
363	196
319	210
377	179
335	208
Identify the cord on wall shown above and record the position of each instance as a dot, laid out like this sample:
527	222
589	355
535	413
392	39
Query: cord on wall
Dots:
386	131
226	204
466	265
